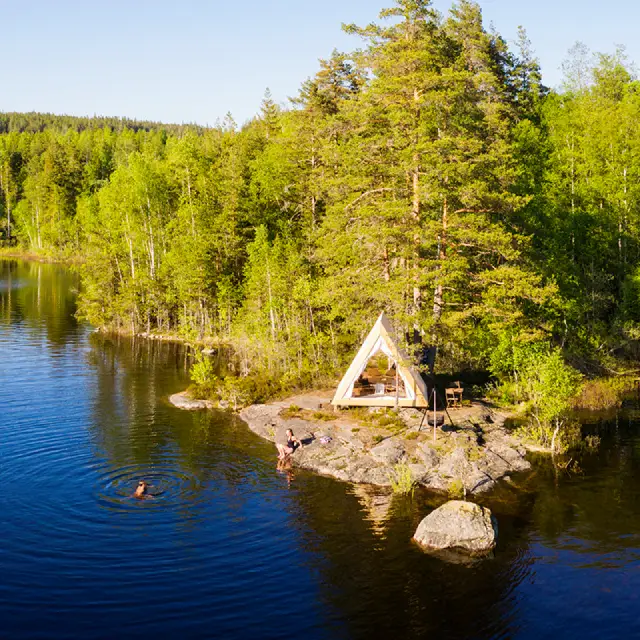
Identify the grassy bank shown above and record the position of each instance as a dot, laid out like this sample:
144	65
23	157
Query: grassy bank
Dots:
17	253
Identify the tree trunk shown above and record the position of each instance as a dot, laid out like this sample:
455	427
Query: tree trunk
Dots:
271	312
442	253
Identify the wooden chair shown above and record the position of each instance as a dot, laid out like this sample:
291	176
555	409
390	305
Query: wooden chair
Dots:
453	395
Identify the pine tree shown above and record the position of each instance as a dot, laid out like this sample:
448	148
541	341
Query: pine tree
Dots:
426	200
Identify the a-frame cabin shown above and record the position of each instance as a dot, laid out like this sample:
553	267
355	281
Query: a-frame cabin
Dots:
368	382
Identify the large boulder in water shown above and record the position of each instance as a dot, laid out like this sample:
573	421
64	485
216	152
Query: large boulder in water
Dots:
458	525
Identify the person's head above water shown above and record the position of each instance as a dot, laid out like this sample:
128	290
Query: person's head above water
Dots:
141	489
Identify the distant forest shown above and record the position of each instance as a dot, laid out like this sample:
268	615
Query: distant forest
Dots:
429	173
13	122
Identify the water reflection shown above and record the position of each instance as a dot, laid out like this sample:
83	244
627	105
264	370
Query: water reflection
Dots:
42	298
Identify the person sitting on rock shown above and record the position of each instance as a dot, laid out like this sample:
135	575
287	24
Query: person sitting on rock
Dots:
287	449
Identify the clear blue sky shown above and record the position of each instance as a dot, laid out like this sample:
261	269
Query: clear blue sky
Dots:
195	60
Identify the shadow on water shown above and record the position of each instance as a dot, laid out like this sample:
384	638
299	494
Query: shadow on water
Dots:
230	546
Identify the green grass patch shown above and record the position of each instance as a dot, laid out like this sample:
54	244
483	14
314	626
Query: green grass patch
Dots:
324	416
456	488
292	411
401	479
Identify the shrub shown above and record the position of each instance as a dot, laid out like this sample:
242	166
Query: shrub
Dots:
569	436
456	488
202	373
538	376
238	392
325	416
402	479
604	393
292	411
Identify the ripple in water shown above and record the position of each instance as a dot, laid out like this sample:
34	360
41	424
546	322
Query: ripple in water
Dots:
167	486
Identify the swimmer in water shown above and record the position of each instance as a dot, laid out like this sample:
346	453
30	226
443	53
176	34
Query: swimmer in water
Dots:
141	490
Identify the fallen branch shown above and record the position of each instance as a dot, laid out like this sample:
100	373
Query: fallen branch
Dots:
621	373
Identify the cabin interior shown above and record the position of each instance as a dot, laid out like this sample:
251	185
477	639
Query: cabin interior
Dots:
379	379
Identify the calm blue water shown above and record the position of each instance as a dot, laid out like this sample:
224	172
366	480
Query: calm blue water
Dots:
231	548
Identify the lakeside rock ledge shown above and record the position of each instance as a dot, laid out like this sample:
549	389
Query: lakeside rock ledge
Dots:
469	456
458	526
183	401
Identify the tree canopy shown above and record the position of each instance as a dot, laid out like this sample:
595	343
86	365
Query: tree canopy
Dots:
428	173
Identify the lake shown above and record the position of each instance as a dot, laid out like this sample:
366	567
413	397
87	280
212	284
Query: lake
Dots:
229	547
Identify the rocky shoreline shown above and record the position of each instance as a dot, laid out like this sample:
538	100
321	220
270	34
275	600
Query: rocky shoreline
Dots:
183	400
468	457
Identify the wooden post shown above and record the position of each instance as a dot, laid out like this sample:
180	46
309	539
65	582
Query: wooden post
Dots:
397	375
434	413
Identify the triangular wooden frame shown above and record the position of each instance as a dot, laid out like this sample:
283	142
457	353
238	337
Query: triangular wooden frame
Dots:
382	338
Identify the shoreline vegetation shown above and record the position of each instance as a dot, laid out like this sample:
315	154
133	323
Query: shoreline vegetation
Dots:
429	174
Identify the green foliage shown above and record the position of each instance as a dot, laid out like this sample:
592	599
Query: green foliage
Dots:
203	374
549	385
429	174
401	479
592	442
540	378
456	488
388	419
241	392
292	411
566	438
604	393
325	416
382	418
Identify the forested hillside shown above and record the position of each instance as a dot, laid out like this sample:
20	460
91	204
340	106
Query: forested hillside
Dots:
428	173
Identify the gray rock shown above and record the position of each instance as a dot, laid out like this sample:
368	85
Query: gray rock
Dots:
510	458
310	401
348	456
389	451
429	457
435	482
183	401
380	476
263	418
478	481
455	465
418	472
458	525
